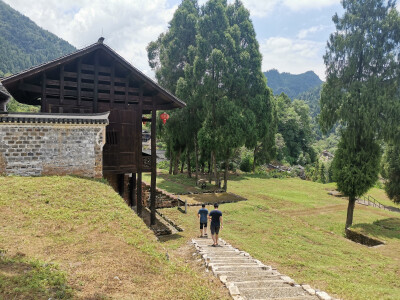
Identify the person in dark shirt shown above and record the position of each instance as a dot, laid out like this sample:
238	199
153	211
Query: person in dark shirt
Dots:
216	223
202	215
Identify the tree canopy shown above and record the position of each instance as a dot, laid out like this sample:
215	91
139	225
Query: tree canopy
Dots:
210	57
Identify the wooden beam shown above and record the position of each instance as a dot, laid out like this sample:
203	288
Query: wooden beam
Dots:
62	84
96	82
139	159
159	107
79	82
153	169
43	101
132	185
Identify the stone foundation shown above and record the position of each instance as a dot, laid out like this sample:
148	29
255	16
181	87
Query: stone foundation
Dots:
33	146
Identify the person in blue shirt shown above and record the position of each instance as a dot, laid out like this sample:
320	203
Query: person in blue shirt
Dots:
202	215
216	223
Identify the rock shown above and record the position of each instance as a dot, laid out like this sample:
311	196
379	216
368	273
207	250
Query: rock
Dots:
234	291
289	280
323	296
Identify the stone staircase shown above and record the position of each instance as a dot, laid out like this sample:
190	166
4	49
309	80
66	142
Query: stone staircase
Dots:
248	278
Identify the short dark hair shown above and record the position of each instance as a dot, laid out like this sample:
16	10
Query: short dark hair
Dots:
203	205
215	205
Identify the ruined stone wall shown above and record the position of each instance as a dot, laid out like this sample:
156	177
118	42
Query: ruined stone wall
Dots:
51	149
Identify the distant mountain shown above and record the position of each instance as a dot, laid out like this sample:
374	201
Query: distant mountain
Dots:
23	44
292	85
311	97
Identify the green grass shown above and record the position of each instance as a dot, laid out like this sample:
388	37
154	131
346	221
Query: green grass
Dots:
24	279
297	227
102	247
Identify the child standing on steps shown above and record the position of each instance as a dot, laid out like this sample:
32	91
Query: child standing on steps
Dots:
202	214
216	223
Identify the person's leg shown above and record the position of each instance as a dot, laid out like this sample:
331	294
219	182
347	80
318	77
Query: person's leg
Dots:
201	229
212	228
216	235
205	229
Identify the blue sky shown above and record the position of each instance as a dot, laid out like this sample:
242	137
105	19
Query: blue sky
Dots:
292	33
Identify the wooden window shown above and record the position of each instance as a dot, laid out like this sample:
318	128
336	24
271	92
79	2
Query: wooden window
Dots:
111	137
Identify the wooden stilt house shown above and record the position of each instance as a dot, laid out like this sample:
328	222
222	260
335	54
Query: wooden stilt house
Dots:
94	80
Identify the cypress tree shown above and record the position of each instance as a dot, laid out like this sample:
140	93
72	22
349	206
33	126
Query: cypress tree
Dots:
362	68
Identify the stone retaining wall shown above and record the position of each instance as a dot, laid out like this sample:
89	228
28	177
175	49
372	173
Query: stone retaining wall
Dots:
32	149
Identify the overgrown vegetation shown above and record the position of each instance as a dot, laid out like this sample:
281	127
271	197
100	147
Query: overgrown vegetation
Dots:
23	44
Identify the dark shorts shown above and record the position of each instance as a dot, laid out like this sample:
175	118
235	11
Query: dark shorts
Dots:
214	228
203	225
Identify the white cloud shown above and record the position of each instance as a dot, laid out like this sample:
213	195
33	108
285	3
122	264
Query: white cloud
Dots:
306	32
293	55
128	26
309	4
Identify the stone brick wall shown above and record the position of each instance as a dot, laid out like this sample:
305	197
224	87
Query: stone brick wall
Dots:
51	149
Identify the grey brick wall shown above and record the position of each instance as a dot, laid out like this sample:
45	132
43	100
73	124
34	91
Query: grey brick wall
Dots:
51	149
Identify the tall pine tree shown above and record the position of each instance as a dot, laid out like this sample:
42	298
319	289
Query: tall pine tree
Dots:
362	68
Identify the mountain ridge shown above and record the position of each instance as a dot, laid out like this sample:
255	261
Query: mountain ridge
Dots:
292	85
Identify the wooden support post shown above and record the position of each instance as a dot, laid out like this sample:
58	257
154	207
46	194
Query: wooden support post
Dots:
61	84
139	157
96	82
153	167
79	82
132	187
43	100
120	180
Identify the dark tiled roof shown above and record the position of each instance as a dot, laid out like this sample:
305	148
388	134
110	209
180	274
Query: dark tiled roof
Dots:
88	49
101	118
3	91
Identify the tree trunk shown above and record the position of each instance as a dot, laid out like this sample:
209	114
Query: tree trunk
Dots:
350	211
182	165
196	154
210	170
177	158
188	165
216	174
226	175
203	166
254	159
171	161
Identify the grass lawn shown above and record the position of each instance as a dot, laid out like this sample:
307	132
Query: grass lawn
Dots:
67	237
297	227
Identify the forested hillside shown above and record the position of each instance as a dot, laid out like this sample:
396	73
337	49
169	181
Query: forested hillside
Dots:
23	44
290	84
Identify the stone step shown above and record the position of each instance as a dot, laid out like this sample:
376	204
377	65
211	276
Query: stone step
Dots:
260	284
290	298
233	260
240	268
243	273
248	278
237	279
233	264
273	292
